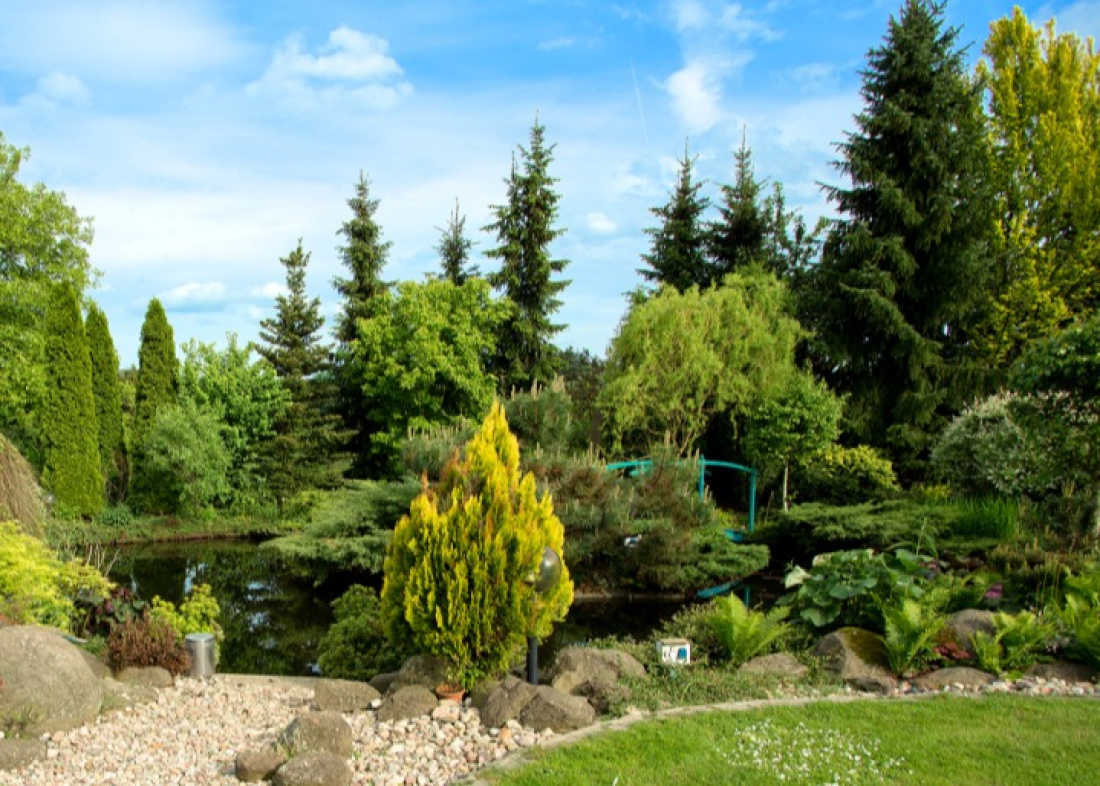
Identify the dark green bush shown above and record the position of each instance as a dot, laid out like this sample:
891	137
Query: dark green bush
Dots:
543	418
355	647
427	451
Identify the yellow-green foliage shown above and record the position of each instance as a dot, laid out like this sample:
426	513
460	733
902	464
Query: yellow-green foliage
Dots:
198	613
459	571
35	586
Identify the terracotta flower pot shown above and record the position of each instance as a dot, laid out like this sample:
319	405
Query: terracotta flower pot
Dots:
450	691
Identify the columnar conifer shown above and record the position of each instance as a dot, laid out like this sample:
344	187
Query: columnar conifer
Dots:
108	400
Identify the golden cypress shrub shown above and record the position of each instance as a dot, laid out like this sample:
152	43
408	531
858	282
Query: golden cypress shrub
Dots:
459	574
20	495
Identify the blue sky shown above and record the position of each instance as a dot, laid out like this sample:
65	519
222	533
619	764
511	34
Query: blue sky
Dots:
204	137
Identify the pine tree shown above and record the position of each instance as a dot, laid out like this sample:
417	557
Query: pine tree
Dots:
301	453
108	402
454	250
524	227
737	239
72	468
678	256
894	296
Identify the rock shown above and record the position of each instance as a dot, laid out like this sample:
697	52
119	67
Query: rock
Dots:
962	676
411	701
326	732
561	712
426	671
48	686
447	712
313	769
258	765
119	695
506	702
344	695
575	666
480	693
98	667
856	656
149	676
604	695
15	754
962	626
779	664
1062	670
382	682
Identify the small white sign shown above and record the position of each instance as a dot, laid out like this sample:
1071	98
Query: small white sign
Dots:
674	652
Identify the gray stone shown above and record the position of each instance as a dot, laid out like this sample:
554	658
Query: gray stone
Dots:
258	765
506	702
382	682
480	693
778	664
119	695
963	676
313	769
603	696
149	676
326	732
16	754
552	709
1062	670
426	671
411	701
344	695
852	653
98	667
48	686
962	626
578	665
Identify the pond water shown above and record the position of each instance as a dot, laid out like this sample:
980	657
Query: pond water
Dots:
274	613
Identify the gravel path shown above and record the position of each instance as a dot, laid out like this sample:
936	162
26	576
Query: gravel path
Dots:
194	731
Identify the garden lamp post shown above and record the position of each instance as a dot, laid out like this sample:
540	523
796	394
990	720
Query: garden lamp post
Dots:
546	576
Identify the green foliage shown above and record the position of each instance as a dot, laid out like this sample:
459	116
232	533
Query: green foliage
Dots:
1018	641
1079	614
420	357
20	496
745	633
984	451
848	476
542	418
454	250
350	528
893	299
694	624
108	403
158	370
185	456
148	640
99	611
31	581
426	451
72	469
678	255
197	613
355	647
457	575
911	631
680	360
995	518
524	229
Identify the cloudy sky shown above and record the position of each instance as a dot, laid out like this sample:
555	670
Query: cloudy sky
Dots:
204	137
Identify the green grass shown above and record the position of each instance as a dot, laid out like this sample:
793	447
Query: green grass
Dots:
944	740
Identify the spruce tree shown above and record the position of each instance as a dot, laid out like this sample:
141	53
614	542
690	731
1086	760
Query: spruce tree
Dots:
108	401
301	453
737	239
893	299
72	467
524	227
678	256
454	250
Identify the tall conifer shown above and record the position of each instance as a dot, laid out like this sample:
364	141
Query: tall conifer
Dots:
678	255
454	250
108	401
72	467
157	387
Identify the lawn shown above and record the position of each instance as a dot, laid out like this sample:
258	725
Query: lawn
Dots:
948	740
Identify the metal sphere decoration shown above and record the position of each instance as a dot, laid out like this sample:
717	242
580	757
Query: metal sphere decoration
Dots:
549	571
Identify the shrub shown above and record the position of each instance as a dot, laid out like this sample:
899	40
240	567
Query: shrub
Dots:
426	451
197	613
183	452
542	417
355	647
458	571
1079	615
694	624
911	633
744	633
1018	641
148	640
848	476
983	452
98	613
20	496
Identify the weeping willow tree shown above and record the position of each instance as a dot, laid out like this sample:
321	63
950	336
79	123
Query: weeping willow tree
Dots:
459	575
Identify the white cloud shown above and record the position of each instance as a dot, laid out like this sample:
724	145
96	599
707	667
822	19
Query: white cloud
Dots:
56	89
600	224
564	42
194	294
1082	18
269	291
696	93
127	41
743	27
350	66
689	14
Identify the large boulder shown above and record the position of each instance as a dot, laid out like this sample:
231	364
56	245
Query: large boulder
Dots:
313	769
147	676
258	765
858	657
317	731
48	686
779	664
506	702
344	695
552	709
98	667
575	666
962	626
427	671
1062	670
120	695
412	701
15	754
962	677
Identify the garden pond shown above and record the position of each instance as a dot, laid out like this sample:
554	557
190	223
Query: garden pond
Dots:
274	612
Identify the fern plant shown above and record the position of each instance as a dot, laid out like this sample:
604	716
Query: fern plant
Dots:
911	629
744	633
1079	615
1018	641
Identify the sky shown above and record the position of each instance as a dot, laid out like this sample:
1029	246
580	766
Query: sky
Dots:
204	138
